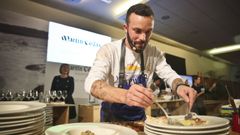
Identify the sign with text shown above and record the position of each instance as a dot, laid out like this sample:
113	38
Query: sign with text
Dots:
72	45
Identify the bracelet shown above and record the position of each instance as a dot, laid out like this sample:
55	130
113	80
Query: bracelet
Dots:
180	85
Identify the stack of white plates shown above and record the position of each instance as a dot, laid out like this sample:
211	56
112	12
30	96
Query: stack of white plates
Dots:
213	126
49	117
22	118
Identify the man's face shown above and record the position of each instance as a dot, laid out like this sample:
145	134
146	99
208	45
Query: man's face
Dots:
158	82
139	29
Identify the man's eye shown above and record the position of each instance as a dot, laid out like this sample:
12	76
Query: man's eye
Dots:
138	31
148	32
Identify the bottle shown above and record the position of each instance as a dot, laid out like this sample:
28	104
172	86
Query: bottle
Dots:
239	111
91	99
24	95
36	95
9	96
236	121
41	97
47	98
30	96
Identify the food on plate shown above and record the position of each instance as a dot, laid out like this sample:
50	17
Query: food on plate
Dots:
181	121
192	122
87	132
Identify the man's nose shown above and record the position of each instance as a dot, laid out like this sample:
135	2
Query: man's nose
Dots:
143	37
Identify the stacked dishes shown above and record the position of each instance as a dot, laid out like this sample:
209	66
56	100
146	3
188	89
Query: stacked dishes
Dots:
49	117
22	118
213	126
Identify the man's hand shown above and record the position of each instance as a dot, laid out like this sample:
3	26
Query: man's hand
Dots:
140	96
188	94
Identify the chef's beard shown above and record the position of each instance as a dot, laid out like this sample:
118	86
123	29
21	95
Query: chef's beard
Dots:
134	46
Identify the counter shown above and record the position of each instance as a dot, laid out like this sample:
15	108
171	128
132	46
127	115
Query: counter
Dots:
60	112
89	113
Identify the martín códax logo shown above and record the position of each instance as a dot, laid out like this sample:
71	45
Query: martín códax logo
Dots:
79	41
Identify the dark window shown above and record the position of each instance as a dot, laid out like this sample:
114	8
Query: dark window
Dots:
177	63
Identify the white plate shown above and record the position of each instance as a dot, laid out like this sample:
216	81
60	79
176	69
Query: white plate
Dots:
97	128
24	116
10	107
22	123
33	132
12	121
210	131
28	128
212	122
149	132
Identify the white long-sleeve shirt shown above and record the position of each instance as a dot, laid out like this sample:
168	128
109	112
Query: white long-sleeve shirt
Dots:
107	64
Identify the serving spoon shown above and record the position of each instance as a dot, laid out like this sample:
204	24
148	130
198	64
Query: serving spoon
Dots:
189	115
170	120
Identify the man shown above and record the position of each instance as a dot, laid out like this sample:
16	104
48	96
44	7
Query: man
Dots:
198	106
123	69
157	84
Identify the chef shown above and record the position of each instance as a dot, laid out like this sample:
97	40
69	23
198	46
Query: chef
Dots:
123	70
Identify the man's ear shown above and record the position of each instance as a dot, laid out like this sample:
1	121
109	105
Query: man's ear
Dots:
125	27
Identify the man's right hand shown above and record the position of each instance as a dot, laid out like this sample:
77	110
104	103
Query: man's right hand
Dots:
140	96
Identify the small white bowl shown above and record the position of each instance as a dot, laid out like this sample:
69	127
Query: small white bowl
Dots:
167	97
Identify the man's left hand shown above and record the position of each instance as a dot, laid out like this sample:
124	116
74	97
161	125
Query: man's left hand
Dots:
188	94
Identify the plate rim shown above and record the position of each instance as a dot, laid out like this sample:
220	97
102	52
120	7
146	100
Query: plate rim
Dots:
152	133
23	122
66	127
24	129
189	132
33	106
22	116
167	126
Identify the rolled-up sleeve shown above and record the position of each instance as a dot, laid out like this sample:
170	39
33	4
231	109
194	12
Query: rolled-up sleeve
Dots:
164	71
99	70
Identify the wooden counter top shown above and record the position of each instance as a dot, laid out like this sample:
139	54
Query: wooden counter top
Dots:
59	104
60	112
166	101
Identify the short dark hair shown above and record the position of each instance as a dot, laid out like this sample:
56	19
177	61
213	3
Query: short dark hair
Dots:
139	9
60	69
195	77
155	77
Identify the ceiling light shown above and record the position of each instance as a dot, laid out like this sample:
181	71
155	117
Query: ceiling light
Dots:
72	1
124	6
107	1
224	49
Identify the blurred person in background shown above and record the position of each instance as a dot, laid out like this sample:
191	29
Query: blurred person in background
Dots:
198	106
64	82
218	91
158	83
